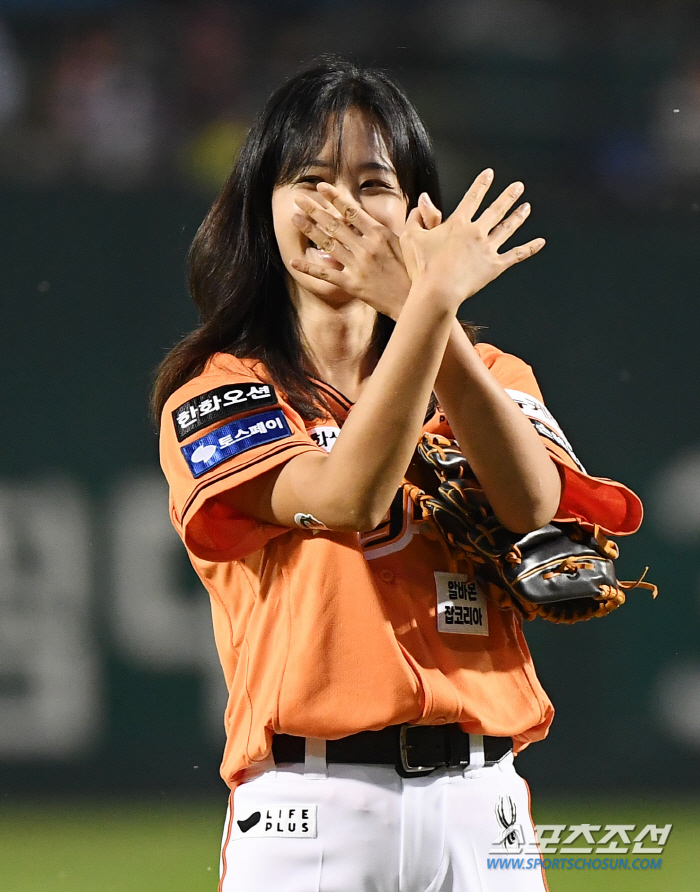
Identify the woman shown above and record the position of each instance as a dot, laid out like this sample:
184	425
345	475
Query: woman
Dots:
367	743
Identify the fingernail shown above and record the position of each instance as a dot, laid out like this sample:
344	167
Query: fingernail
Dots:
488	173
525	208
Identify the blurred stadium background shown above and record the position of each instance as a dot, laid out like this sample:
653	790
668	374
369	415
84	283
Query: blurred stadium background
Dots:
118	122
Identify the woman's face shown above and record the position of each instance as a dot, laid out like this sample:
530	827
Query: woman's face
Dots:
365	173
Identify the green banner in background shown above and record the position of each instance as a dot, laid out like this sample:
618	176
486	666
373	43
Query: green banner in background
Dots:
108	676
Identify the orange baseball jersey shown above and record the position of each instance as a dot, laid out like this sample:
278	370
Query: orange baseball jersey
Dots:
323	634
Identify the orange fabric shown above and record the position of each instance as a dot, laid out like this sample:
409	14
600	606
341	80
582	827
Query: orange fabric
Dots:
323	634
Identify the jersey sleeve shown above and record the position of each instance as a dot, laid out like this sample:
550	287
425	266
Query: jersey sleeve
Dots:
592	500
222	429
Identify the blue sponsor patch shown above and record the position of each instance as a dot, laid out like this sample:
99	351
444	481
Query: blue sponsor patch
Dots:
233	438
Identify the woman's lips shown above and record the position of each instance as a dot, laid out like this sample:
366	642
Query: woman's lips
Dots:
316	255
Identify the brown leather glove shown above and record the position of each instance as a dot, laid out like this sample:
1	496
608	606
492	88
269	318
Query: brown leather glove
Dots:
561	572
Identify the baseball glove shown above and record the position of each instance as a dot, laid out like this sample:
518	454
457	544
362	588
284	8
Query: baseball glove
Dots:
562	572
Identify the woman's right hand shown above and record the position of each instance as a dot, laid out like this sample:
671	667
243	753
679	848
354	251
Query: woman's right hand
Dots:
459	256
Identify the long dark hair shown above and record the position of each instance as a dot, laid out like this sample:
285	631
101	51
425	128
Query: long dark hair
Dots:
237	278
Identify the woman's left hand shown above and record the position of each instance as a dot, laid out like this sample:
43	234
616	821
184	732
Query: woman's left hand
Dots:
373	267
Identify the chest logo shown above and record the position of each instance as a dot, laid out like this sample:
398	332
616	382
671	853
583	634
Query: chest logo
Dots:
324	436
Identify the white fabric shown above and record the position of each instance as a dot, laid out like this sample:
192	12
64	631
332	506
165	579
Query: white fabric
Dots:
378	832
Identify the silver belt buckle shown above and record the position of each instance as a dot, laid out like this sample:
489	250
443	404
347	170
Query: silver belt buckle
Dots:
404	746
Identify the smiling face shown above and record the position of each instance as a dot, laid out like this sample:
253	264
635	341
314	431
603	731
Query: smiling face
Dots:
364	172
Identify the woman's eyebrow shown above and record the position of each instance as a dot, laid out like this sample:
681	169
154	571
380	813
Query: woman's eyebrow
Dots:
366	165
376	165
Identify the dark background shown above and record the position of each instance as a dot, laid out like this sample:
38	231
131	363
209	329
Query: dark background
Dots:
117	124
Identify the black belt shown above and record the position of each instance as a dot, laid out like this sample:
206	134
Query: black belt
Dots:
413	750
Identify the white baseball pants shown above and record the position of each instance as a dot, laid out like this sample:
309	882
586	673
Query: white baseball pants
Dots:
362	828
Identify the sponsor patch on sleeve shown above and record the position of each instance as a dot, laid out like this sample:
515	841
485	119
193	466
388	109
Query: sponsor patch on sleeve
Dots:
234	438
544	422
220	403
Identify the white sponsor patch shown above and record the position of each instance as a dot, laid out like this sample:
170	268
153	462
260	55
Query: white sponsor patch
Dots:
543	421
461	605
324	436
291	821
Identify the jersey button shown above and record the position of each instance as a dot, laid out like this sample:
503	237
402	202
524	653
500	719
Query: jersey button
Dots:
386	575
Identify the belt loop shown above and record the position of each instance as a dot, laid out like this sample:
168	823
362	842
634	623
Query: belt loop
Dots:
315	765
476	751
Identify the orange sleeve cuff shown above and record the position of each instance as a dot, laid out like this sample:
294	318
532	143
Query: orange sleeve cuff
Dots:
214	531
597	500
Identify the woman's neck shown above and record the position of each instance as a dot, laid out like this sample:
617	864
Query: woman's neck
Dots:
338	342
